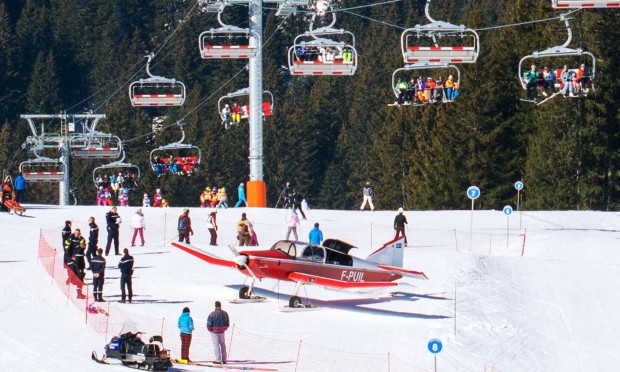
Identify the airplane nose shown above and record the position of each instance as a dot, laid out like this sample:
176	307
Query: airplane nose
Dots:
241	260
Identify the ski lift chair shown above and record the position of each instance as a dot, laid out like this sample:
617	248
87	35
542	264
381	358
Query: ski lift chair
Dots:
116	167
42	169
189	163
215	42
156	91
95	146
398	74
267	106
423	43
558	53
585	4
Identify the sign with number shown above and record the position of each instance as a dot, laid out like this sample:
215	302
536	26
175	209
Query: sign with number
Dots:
434	346
519	185
473	192
507	210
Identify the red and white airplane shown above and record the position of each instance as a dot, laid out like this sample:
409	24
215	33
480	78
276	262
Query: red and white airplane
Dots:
328	265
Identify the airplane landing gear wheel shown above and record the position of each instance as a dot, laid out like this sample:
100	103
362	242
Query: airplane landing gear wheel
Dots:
295	302
244	292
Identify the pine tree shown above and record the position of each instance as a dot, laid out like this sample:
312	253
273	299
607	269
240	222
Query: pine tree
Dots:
43	95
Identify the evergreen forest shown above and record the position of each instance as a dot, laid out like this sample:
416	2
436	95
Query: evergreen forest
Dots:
328	135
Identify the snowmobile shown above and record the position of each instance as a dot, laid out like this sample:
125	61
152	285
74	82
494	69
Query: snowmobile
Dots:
131	351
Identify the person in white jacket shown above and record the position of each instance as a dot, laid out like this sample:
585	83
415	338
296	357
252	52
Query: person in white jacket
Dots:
293	221
138	226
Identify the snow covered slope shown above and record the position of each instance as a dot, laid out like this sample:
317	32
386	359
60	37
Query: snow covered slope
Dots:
554	309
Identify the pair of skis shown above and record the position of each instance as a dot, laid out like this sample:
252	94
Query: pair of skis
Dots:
223	366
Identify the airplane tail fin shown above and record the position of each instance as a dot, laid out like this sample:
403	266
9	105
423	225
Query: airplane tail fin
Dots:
391	254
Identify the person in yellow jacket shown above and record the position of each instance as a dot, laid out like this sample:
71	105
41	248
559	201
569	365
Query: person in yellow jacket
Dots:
222	198
205	198
243	231
164	203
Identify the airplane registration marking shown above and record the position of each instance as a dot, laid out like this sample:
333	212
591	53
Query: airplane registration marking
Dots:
352	276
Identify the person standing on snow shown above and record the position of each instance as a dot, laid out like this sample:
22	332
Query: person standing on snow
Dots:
113	221
217	323
138	226
186	326
368	191
93	239
125	265
157	198
399	224
293	221
20	187
243	231
146	201
297	199
98	267
241	193
316	235
212	226
185	226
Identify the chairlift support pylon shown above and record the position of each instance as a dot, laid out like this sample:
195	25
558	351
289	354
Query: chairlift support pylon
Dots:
585	4
558	51
54	170
423	66
177	146
267	106
156	91
414	52
116	166
323	61
207	39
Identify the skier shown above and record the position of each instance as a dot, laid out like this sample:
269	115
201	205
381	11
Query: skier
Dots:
146	201
297	199
368	191
100	196
138	226
125	265
98	268
93	239
157	198
254	241
243	232
113	221
217	323
123	198
241	193
399	225
186	326
286	195
185	226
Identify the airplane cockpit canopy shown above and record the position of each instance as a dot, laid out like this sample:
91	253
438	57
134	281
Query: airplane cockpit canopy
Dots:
285	246
338	245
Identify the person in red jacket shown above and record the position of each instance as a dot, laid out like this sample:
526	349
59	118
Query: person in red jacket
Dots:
157	198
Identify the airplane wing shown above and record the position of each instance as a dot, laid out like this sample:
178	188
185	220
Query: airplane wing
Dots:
404	272
328	282
205	256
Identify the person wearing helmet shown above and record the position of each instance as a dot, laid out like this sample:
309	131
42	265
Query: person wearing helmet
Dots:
226	118
368	191
222	198
146	201
399	225
241	193
205	198
157	198
185	226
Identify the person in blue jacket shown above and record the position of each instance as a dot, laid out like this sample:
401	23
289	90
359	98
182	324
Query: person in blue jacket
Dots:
241	192
186	326
316	235
20	187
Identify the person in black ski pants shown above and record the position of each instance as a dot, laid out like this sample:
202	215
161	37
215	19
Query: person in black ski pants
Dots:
93	239
98	268
66	232
297	199
113	220
126	267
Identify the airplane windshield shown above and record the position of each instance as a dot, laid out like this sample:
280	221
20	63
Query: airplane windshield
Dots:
286	247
